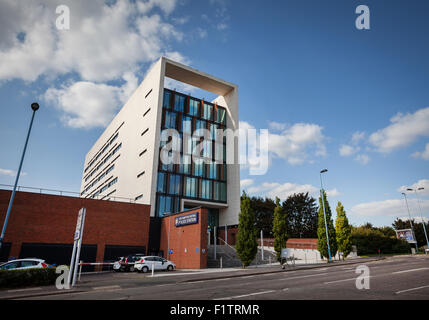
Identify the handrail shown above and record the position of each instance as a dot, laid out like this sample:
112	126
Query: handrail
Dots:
227	244
61	192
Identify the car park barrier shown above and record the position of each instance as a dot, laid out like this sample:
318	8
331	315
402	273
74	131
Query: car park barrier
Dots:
93	264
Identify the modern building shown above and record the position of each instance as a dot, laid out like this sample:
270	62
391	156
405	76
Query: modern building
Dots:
125	161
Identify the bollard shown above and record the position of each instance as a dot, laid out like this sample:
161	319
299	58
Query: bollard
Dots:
221	262
80	270
153	268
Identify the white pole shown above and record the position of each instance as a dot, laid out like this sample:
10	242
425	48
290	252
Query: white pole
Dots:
78	248
80	270
168	244
221	262
262	245
214	237
69	279
153	268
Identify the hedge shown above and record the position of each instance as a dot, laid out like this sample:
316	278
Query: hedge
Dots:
27	277
370	241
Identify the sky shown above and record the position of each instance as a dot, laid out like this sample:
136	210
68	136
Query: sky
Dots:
355	102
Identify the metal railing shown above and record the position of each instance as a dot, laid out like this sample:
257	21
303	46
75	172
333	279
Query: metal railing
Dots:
67	193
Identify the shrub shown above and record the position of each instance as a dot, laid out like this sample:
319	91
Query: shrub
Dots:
368	241
27	277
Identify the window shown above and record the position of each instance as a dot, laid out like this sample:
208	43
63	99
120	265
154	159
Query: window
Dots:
143	152
161	187
187	125
179	103
167	98
206	189
194	105
221	115
145	131
191	187
198	169
174	184
165	205
148	94
140	174
207	112
147	111
170	120
219	191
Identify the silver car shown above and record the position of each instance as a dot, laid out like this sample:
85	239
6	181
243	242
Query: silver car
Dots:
20	264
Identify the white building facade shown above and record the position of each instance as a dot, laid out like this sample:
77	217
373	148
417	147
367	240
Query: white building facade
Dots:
125	161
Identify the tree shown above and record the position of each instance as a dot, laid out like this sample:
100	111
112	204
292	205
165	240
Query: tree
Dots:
247	245
343	231
301	215
322	244
279	229
263	209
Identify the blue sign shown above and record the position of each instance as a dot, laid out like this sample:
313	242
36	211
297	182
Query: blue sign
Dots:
196	249
187	219
171	251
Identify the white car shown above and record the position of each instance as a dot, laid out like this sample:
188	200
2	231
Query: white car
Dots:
145	264
20	264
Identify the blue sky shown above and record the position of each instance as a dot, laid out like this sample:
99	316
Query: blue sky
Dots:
353	101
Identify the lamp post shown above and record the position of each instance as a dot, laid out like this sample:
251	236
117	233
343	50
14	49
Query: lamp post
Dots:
411	222
34	107
421	213
324	212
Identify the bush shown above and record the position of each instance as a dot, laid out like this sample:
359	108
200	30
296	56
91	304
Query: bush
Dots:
368	241
27	277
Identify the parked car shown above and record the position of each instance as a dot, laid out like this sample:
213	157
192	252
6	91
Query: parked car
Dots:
20	264
145	264
127	263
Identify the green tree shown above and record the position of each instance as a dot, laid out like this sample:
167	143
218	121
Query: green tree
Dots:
247	245
279	229
343	231
322	244
301	215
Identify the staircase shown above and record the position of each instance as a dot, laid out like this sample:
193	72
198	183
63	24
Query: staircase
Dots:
230	258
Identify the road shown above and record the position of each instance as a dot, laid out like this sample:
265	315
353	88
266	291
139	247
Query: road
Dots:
393	278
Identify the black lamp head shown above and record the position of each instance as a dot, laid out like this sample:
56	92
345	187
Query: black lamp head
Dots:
35	106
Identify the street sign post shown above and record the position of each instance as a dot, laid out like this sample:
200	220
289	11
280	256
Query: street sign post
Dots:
74	263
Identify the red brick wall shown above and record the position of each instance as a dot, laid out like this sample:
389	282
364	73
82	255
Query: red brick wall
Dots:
231	235
302	243
189	237
42	218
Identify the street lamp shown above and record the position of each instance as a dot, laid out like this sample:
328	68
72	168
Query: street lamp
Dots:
324	212
421	213
34	107
411	222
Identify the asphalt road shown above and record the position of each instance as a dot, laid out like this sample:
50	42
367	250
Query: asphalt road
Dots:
393	278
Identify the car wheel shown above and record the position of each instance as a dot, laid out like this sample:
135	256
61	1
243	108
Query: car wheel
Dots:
170	268
145	269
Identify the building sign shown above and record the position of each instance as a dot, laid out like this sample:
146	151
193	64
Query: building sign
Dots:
191	218
405	234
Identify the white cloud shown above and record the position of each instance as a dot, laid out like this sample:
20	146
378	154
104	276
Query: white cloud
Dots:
362	158
357	137
333	193
403	130
246	183
424	154
423	183
281	190
277	126
390	208
297	143
11	173
87	104
347	150
103	43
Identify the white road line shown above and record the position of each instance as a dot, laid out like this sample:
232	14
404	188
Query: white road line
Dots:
246	295
106	288
246	277
285	289
329	282
310	275
412	289
410	270
22	290
223	279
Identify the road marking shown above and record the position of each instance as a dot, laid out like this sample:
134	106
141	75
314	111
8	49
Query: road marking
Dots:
310	275
285	289
246	295
223	279
411	270
22	290
106	287
247	277
329	282
412	289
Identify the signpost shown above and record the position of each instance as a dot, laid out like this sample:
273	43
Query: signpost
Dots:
74	263
406	234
